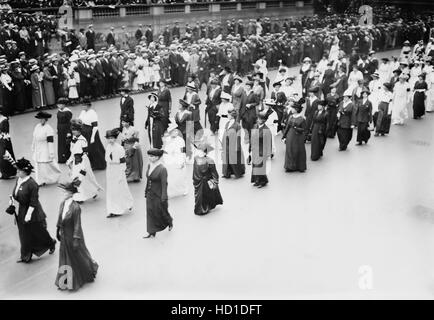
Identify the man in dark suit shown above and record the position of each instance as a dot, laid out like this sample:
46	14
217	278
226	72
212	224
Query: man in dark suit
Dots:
115	72
213	100
100	76
105	63
127	106
176	33
90	36
84	76
139	34
149	35
110	39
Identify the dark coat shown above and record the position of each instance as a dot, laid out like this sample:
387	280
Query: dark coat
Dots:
127	109
28	196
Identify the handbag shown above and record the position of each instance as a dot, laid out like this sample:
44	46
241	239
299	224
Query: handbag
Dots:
11	210
211	185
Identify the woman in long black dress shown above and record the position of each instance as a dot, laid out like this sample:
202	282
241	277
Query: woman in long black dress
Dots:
420	89
157	212
7	170
156	122
90	131
363	118
30	218
332	100
205	181
73	254
319	132
64	136
233	156
294	136
346	121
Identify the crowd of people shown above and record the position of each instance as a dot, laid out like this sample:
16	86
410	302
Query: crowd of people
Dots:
341	87
33	79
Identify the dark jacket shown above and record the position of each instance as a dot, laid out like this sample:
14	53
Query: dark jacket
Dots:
28	196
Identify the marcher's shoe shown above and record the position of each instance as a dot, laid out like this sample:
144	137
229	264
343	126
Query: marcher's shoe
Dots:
249	160
149	236
112	215
262	185
171	227
359	143
376	135
53	247
256	184
272	155
24	261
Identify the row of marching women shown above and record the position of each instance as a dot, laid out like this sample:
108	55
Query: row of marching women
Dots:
243	117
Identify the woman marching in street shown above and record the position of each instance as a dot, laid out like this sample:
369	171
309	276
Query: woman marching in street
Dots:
363	118
7	170
319	132
129	138
119	198
332	100
174	160
420	89
157	212
73	252
90	131
47	170
30	218
400	100
382	121
64	116
294	136
80	165
156	122
233	156
205	181
346	120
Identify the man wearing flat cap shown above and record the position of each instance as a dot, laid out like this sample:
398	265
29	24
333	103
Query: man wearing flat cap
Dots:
90	36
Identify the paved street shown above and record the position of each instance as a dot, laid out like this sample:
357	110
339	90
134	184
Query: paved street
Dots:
306	235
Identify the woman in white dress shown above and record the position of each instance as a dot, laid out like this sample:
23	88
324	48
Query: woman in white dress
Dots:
80	165
401	97
414	73
174	160
119	198
384	70
429	103
47	170
147	70
156	72
354	77
222	113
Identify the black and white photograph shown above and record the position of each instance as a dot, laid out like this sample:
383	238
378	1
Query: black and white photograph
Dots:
245	150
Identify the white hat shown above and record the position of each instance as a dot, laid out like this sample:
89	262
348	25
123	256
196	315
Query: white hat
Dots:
226	96
172	125
348	93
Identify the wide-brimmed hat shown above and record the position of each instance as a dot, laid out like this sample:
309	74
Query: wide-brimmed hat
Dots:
237	77
43	115
70	186
277	83
153	95
226	96
114	133
76	125
62	100
124	89
24	165
172	126
388	86
155	152
34	67
204	146
365	89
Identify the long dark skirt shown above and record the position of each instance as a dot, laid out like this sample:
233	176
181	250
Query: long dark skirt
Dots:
344	135
295	155
332	121
63	143
319	139
206	199
418	104
382	119
134	163
7	170
96	150
156	134
34	239
363	133
84	268
233	158
157	215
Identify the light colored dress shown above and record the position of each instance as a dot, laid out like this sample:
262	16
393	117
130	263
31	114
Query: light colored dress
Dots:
88	187
429	103
400	101
223	114
46	169
174	161
119	198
